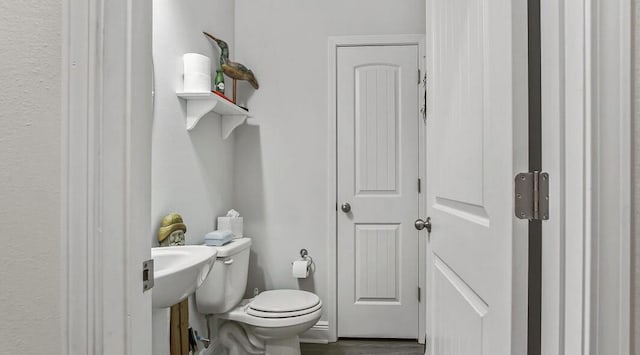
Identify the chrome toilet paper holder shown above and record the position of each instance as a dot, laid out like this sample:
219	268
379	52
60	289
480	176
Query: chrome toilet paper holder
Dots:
304	255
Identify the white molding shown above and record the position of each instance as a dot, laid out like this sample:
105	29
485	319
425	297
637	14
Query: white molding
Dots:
423	251
553	132
81	322
332	198
610	53
565	157
333	44
106	156
625	171
586	148
318	334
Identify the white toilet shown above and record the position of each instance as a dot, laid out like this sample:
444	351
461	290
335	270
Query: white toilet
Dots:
266	324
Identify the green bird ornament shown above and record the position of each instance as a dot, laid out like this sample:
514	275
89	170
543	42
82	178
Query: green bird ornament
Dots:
233	70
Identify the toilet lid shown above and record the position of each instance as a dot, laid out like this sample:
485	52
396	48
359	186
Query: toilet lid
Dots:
290	314
283	301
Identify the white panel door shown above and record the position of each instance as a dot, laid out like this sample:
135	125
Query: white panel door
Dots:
476	143
378	122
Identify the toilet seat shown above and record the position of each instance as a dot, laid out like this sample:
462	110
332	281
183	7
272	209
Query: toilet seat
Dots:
240	314
283	304
290	314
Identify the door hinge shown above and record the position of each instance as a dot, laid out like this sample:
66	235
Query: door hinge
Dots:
532	196
419	76
419	185
419	294
147	275
423	109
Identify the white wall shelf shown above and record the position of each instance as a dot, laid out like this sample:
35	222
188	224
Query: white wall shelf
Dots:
201	103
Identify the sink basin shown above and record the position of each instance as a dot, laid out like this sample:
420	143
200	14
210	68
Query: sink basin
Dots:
179	271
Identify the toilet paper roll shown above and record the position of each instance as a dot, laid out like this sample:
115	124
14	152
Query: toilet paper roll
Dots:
300	269
196	63
197	82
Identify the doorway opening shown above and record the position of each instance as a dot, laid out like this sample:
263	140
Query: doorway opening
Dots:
376	136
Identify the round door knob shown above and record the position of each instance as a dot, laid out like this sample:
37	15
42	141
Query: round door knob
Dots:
346	207
420	224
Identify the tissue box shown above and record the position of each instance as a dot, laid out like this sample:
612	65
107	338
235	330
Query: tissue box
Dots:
233	224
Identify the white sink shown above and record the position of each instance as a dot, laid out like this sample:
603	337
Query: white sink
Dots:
179	271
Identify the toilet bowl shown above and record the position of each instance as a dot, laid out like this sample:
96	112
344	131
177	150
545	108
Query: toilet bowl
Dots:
274	319
269	323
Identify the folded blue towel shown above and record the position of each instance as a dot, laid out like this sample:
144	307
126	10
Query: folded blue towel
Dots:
218	238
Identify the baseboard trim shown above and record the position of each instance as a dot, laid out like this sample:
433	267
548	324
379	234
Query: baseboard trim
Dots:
318	334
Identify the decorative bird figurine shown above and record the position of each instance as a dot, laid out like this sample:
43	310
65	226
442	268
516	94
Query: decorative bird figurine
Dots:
235	71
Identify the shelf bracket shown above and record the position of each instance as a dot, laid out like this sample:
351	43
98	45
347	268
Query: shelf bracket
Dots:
230	122
201	103
196	109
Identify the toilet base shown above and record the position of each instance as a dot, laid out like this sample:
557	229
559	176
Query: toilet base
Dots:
240	341
286	346
235	339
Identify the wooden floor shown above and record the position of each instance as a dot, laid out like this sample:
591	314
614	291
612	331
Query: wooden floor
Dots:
364	347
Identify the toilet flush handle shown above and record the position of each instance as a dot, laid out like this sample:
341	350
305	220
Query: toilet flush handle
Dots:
228	261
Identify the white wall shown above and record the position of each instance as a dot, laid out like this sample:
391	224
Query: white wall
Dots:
192	172
281	166
30	118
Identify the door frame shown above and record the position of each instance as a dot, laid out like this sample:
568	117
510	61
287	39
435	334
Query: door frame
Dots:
336	42
105	184
571	66
586	96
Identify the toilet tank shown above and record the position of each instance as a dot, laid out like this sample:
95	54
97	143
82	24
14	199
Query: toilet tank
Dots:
224	287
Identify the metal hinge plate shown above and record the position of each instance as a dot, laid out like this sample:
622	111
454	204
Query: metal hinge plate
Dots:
419	294
423	109
147	275
532	196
